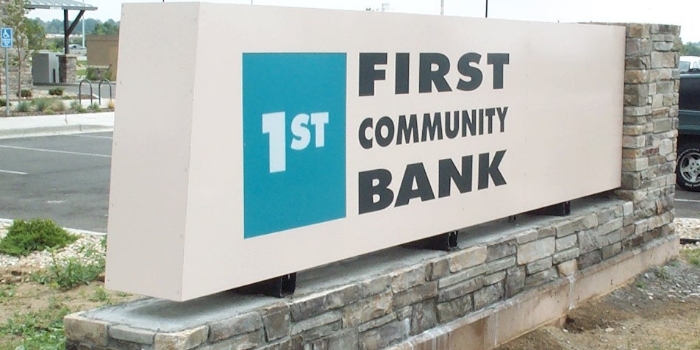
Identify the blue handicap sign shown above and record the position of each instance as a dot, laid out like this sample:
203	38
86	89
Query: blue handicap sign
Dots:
6	37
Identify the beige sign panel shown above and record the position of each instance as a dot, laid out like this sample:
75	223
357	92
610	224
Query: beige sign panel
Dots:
251	142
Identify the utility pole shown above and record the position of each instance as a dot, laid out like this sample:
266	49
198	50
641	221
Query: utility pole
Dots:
487	8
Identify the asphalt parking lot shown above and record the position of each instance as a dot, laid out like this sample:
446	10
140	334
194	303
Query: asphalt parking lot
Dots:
66	178
687	204
63	178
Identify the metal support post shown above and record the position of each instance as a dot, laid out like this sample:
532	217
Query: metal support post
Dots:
559	209
7	85
445	242
278	287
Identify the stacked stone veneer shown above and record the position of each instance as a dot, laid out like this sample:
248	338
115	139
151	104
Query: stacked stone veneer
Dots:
67	67
650	127
415	300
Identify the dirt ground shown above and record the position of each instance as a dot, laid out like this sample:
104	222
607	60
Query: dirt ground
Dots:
23	295
658	310
31	309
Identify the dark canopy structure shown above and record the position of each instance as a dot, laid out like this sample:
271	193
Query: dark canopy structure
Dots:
65	5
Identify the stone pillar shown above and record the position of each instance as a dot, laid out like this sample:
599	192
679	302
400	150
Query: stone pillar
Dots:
67	66
650	129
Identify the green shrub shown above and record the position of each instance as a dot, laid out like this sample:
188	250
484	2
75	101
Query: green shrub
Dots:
95	107
56	91
25	237
100	295
92	73
70	272
58	106
77	106
7	292
692	256
3	103
25	93
98	73
41	104
24	107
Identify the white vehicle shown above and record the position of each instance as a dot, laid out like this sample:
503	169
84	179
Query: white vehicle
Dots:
689	64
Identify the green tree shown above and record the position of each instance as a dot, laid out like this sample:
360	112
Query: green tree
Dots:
690	49
54	27
106	28
36	35
28	35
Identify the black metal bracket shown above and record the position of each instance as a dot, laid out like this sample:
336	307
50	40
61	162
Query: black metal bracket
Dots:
559	209
68	28
446	242
278	287
690	240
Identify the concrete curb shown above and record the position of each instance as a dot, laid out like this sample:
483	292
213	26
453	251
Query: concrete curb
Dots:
57	124
53	130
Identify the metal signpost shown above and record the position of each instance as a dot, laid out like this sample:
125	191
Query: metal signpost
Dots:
6	42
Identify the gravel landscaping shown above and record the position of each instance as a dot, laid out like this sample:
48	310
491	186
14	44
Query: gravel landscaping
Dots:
41	260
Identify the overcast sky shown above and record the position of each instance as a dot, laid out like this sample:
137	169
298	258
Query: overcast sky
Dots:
680	12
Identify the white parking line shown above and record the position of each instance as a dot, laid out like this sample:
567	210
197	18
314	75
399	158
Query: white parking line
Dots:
687	200
91	136
12	172
55	151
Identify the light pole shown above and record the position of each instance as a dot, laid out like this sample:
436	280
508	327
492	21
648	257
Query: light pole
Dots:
487	8
82	21
442	7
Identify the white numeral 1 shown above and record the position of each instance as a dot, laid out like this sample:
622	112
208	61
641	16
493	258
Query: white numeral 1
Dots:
273	124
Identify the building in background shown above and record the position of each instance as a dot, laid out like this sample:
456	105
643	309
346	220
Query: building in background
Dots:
102	52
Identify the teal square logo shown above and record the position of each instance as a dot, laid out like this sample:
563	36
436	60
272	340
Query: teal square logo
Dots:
294	113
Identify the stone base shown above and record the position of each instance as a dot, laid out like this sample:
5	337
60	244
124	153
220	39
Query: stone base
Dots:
505	278
548	304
